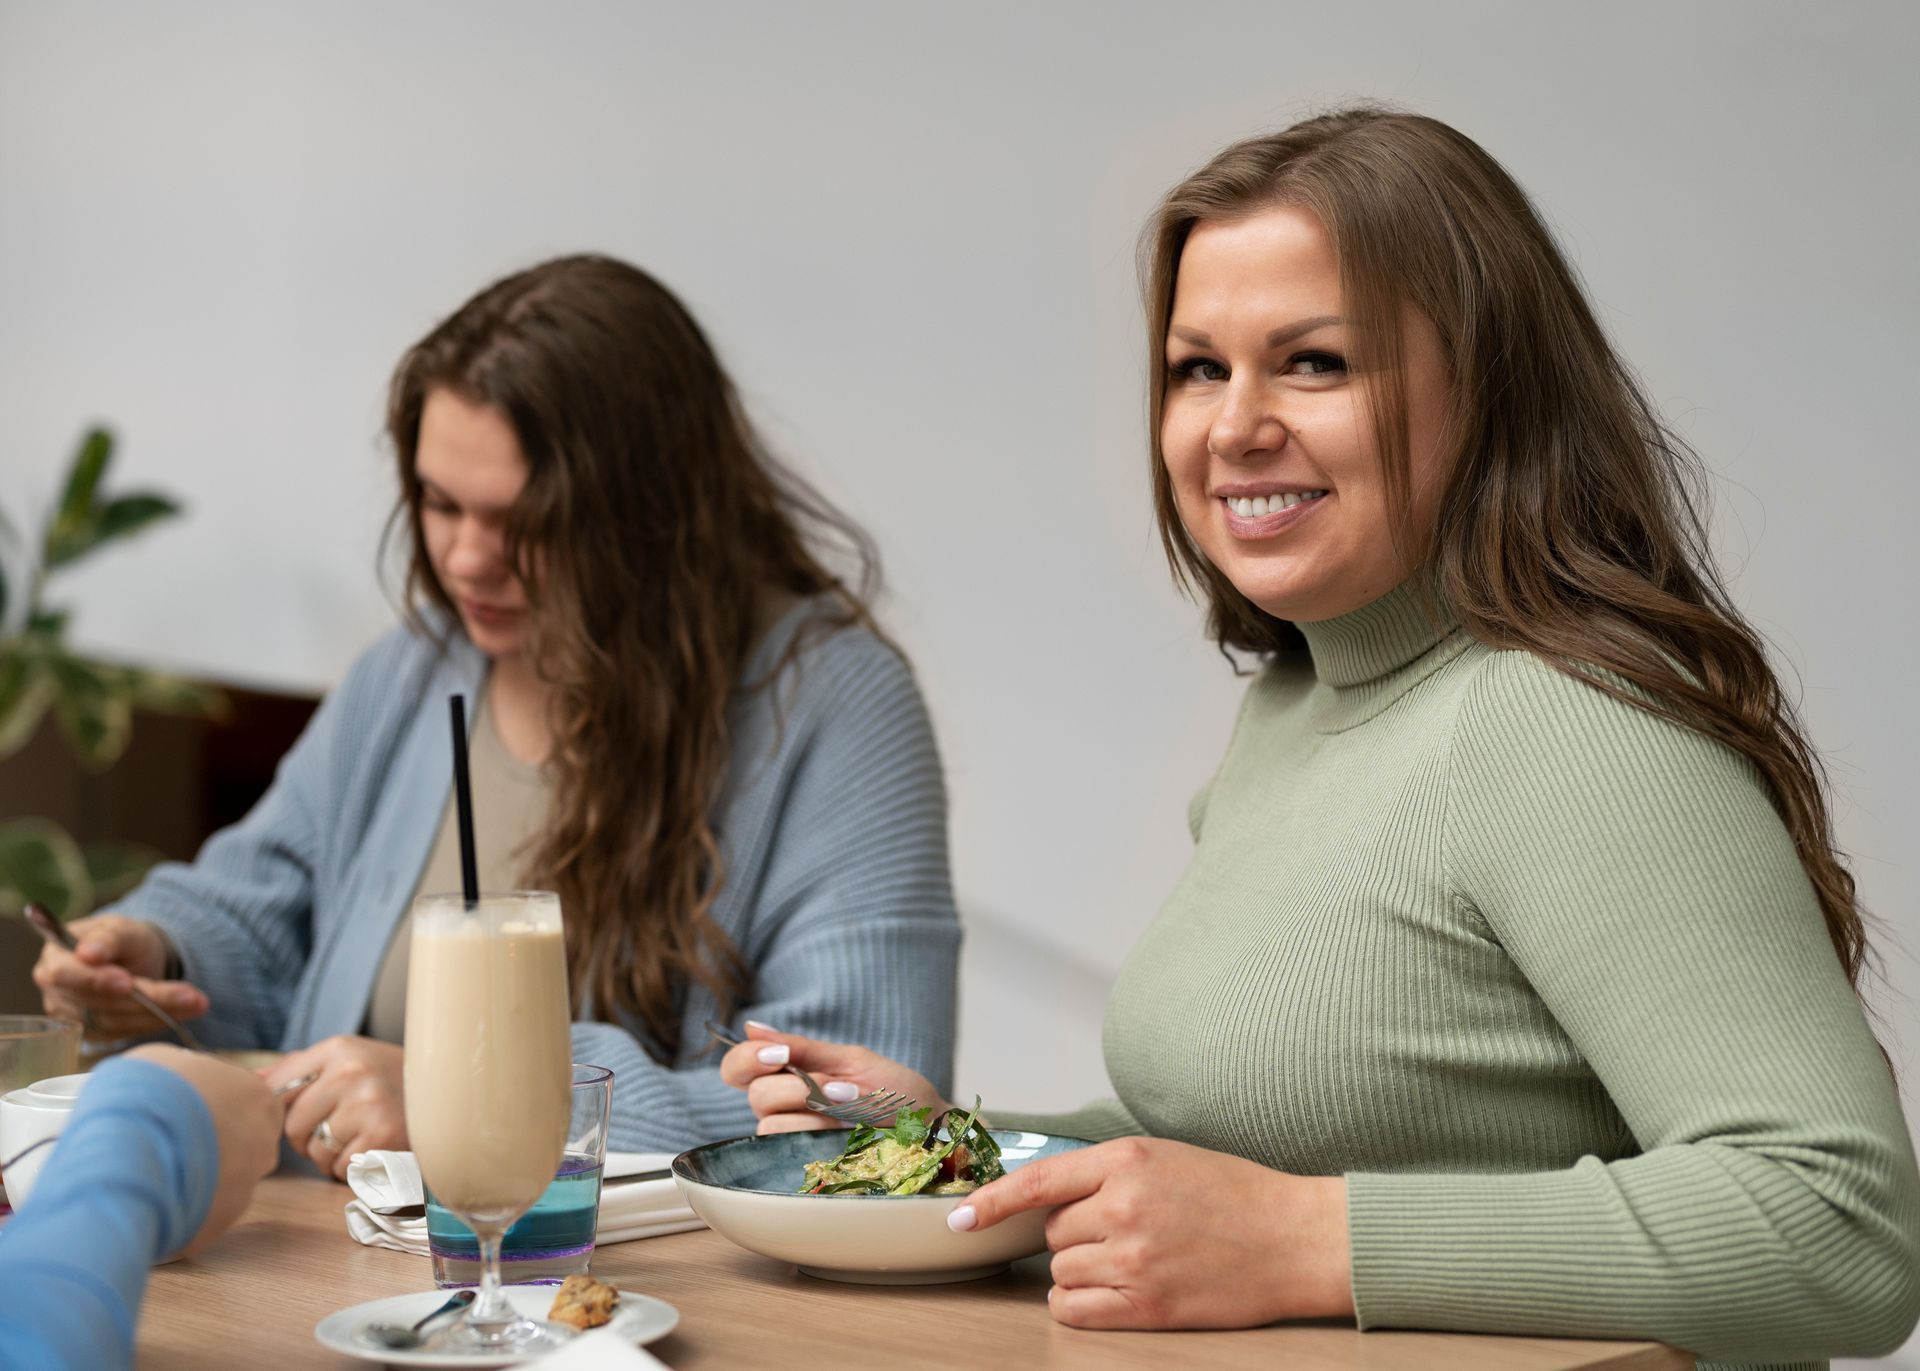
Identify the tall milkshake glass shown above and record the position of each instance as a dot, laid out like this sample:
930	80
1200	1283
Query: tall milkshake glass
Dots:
488	1078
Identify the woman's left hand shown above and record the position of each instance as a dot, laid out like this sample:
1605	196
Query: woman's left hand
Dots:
358	1097
1159	1234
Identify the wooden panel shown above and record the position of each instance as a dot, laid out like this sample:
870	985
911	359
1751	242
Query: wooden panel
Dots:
254	1299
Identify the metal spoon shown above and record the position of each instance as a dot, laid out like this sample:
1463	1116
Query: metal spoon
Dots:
397	1339
51	929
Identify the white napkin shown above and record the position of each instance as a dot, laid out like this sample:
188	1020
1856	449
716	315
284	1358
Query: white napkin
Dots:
601	1350
386	1182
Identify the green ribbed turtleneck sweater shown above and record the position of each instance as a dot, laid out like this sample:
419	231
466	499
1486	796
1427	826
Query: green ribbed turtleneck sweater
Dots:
1541	976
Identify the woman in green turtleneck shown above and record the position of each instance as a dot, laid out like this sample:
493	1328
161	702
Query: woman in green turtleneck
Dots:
1510	987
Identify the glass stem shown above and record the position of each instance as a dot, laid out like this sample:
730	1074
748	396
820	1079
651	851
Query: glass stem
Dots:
491	1311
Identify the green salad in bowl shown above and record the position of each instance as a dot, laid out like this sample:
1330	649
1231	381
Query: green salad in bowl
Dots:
870	1204
911	1157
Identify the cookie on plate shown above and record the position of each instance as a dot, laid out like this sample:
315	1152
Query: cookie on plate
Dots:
583	1302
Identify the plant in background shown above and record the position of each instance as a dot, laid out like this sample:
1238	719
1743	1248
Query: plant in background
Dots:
93	701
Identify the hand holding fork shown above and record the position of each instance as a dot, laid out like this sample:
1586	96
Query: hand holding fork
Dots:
782	1074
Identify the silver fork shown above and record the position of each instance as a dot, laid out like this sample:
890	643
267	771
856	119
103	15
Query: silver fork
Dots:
868	1109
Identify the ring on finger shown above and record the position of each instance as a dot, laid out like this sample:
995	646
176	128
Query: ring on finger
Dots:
323	1136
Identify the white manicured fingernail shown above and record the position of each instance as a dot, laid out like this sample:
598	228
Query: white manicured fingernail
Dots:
755	1023
841	1091
962	1219
775	1054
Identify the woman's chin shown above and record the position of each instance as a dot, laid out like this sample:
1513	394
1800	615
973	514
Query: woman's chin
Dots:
494	640
1293	598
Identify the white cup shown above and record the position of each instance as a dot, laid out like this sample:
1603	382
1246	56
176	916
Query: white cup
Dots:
28	1115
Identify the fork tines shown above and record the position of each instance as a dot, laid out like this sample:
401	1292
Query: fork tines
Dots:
869	1109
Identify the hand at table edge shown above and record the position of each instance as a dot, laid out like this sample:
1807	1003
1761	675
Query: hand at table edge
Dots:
1152	1233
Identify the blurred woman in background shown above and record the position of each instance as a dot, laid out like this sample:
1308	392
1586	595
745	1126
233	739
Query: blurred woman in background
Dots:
687	724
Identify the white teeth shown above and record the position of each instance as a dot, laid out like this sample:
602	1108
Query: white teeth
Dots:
1252	507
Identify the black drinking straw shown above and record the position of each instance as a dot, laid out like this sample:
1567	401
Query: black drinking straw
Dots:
463	801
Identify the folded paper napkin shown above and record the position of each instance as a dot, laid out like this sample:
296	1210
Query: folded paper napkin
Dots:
388	1208
601	1350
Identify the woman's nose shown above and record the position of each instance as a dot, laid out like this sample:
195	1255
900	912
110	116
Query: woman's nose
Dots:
477	552
1247	424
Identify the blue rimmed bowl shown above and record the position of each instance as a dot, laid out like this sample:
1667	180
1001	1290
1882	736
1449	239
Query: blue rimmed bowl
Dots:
745	1190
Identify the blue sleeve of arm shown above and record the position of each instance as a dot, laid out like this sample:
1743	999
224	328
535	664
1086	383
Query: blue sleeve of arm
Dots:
239	914
129	1182
852	932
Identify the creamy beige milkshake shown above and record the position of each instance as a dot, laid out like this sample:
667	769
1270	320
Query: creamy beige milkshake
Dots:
488	1052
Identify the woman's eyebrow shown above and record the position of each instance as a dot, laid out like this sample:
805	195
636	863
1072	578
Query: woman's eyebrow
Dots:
1280	337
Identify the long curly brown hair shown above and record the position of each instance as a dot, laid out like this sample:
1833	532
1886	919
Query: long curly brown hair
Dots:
1571	525
662	531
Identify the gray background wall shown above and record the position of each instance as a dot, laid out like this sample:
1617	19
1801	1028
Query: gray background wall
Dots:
909	228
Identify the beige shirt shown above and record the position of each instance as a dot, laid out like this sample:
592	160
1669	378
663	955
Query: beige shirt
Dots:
510	800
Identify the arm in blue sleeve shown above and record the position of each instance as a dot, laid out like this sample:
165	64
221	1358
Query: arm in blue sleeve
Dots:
239	915
854	933
129	1182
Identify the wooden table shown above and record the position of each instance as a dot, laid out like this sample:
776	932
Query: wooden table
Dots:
258	1293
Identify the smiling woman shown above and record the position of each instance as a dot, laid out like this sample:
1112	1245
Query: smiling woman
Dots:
688	725
1266	432
1510	986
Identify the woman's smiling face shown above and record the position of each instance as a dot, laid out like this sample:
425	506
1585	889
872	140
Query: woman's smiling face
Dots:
1268	436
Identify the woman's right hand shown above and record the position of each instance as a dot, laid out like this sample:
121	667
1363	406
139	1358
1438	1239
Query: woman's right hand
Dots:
779	1099
115	954
246	1126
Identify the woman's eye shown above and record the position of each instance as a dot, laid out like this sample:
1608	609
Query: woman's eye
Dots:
1199	369
1316	364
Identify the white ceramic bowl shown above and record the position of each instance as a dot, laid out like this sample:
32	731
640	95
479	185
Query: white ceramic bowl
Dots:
27	1116
745	1190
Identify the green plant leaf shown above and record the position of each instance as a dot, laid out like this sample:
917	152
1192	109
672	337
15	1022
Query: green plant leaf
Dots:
83	478
94	704
40	862
26	689
166	694
130	513
48	625
103	524
69	542
7	539
75	524
115	868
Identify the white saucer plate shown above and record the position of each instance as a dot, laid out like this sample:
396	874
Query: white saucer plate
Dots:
638	1318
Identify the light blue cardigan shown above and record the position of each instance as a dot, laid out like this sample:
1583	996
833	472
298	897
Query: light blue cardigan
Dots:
832	823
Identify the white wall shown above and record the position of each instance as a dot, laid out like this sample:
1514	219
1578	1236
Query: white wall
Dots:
910	230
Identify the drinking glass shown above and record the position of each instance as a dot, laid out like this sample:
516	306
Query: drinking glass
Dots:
554	1239
32	1048
488	1079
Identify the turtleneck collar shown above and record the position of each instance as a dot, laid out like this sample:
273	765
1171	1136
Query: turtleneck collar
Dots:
1362	649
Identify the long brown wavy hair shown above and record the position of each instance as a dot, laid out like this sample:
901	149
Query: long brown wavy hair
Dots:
1571	522
662	531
